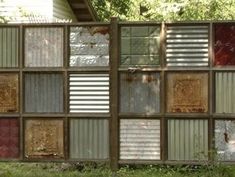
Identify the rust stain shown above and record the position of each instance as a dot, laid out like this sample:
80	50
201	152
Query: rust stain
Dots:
44	138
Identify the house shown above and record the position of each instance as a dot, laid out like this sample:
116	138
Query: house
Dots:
41	11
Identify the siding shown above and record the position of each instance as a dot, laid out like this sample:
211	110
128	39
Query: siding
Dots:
89	139
187	45
89	93
187	139
43	93
140	139
9	47
224	92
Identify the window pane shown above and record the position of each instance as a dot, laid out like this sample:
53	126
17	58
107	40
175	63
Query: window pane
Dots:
89	139
140	139
140	45
9	93
140	93
187	92
44	47
89	46
187	139
44	139
9	47
43	93
224	46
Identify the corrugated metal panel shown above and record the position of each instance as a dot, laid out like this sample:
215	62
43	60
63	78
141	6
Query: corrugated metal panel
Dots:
9	47
89	139
9	138
89	46
44	138
225	139
43	93
187	45
140	93
140	139
89	93
44	47
224	92
187	139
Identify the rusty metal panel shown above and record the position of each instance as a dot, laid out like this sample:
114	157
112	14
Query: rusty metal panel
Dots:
89	139
89	93
187	92
224	139
9	47
187	45
43	93
140	45
140	139
44	138
44	47
187	139
224	92
9	138
9	93
140	93
89	46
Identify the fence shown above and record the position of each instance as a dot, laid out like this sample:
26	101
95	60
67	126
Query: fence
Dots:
119	92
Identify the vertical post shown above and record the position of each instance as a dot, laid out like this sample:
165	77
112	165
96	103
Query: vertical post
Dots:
114	123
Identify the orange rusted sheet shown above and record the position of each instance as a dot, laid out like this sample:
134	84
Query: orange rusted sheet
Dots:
44	138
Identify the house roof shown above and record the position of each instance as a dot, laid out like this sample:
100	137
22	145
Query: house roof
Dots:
83	10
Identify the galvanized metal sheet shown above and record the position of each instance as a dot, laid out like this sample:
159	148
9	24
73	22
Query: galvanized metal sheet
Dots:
187	92
89	93
44	138
89	46
9	138
225	139
224	92
44	47
187	45
140	45
43	93
9	93
140	139
140	93
187	139
89	139
9	47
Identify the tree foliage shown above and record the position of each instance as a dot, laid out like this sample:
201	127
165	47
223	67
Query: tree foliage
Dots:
165	10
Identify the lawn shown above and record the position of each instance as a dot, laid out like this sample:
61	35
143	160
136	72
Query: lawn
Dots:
93	170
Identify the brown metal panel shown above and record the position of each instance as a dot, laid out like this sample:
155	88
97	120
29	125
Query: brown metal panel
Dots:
44	138
9	90
9	138
187	92
43	47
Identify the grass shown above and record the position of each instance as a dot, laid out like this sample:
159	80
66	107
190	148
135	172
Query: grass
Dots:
100	170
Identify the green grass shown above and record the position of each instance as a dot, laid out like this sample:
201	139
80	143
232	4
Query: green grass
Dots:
95	170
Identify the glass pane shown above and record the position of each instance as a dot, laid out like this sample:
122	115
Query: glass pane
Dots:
224	139
140	45
43	93
44	139
44	47
9	138
187	92
187	139
89	46
140	139
224	92
140	93
89	139
9	93
9	47
224	46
